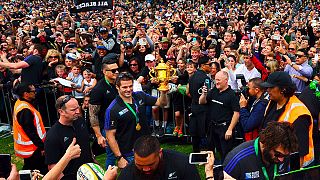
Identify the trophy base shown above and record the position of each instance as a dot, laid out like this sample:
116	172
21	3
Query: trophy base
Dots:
163	87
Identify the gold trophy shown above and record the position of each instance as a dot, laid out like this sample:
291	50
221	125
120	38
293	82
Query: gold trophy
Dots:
163	74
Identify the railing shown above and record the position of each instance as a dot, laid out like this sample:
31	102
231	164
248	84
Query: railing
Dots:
45	101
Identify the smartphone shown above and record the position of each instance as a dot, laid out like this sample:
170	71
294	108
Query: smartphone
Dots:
25	175
294	161
218	172
198	158
5	165
316	57
207	84
276	37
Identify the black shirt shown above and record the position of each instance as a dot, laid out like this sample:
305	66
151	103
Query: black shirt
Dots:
119	117
196	81
59	138
309	98
222	105
178	27
173	165
253	20
147	86
243	163
103	94
33	73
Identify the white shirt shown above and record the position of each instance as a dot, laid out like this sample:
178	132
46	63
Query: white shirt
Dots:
242	69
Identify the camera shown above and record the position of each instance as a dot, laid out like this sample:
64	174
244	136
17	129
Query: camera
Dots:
244	89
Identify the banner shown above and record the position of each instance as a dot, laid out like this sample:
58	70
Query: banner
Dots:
91	5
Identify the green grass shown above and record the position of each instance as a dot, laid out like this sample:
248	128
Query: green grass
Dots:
6	147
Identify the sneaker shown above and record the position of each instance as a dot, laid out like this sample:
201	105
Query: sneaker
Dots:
155	130
160	132
175	132
180	134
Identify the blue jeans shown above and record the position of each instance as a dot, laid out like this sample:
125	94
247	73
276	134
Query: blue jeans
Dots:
110	159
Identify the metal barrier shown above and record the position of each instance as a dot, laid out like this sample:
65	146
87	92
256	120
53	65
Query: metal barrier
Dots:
46	96
45	100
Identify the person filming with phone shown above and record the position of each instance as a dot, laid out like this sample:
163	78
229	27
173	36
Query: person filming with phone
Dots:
251	117
223	114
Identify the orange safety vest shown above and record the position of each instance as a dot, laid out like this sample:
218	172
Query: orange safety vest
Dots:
293	110
23	146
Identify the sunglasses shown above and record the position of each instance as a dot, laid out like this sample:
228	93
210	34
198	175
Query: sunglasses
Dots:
65	100
299	55
53	56
291	49
32	91
278	154
268	68
133	64
113	70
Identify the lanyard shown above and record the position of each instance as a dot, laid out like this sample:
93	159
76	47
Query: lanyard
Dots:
133	112
256	149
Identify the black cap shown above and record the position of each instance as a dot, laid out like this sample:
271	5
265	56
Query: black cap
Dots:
279	79
111	57
203	60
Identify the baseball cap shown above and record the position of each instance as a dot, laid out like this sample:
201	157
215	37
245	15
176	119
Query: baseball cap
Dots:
278	78
149	57
245	38
202	22
102	47
103	29
71	56
164	39
110	57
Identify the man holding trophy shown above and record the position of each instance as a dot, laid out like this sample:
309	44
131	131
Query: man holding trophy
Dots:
126	116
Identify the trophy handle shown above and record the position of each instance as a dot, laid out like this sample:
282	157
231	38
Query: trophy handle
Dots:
150	73
174	71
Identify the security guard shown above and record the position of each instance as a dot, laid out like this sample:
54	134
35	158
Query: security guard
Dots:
28	129
284	106
198	122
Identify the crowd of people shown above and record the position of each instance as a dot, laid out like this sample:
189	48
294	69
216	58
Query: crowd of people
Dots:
239	67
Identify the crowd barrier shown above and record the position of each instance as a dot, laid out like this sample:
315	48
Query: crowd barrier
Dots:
45	103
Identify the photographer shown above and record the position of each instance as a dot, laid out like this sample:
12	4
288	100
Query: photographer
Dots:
251	118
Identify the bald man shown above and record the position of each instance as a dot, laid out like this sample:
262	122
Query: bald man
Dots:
223	114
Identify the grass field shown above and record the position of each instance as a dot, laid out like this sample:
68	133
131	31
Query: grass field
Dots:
6	147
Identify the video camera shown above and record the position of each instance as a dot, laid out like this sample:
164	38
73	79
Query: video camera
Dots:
244	89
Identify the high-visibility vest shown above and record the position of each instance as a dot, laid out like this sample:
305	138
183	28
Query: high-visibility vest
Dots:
293	110
23	146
